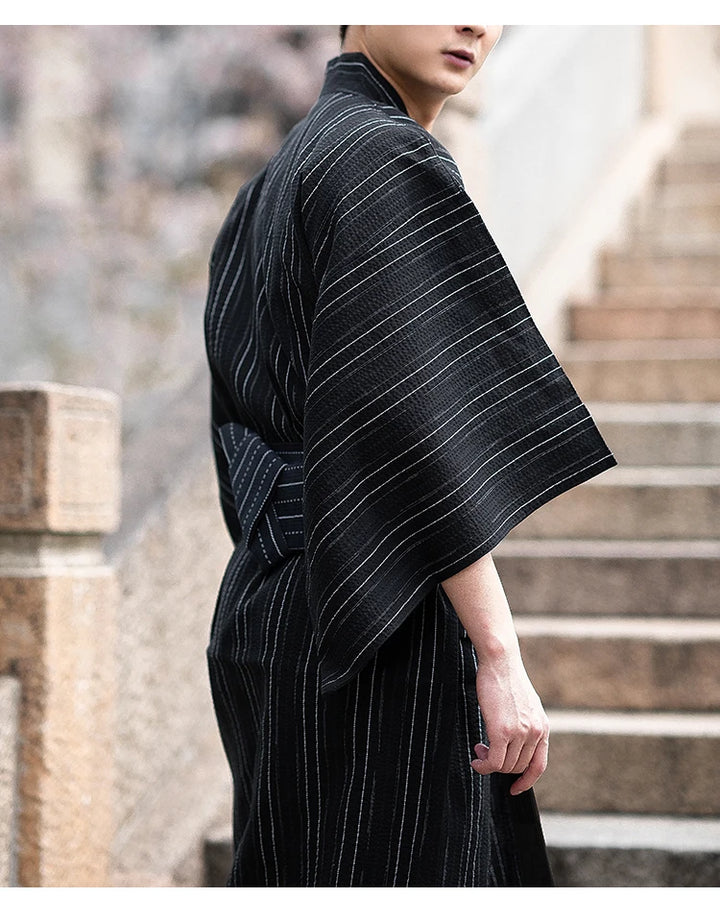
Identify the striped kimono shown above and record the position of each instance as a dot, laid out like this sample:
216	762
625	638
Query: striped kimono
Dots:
384	411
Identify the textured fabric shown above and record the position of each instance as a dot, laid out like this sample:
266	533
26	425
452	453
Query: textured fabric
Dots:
267	490
359	308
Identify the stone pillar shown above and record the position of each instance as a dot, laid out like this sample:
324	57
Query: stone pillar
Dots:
59	495
9	695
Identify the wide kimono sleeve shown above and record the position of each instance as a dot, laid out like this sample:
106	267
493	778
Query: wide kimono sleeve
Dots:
436	417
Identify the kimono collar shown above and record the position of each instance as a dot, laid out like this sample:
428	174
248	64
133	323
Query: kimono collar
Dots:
353	72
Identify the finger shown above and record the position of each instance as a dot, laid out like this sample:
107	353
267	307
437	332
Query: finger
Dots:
535	769
525	752
481	754
513	755
494	758
481	751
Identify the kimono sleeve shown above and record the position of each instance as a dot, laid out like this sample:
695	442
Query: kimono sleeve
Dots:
436	417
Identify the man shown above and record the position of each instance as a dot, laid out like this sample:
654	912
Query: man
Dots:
384	412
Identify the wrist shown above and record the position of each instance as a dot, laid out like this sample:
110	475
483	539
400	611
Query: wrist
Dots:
492	647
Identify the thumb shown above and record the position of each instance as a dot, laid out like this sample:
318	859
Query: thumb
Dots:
481	754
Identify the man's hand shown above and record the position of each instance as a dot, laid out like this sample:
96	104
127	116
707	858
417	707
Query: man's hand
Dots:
515	722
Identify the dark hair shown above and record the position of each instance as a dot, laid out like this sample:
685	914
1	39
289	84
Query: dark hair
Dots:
343	30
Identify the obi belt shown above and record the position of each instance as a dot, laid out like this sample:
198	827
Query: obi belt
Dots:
267	488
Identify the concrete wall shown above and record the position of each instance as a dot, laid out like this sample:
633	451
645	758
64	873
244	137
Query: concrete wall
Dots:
172	780
560	101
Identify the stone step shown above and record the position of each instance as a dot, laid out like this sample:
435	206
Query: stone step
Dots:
701	132
670	218
627	850
661	433
701	145
622	297
685	196
638	578
695	150
677	210
9	716
645	503
661	371
615	762
691	165
657	241
648	313
616	663
630	268
218	856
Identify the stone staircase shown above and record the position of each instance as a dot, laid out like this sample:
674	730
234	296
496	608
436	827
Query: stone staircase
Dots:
617	584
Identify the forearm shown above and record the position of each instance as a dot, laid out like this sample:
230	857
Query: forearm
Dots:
516	724
477	595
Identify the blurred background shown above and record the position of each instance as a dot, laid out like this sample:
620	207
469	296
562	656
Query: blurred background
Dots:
122	147
593	153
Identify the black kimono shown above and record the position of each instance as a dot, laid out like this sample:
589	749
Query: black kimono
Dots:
384	411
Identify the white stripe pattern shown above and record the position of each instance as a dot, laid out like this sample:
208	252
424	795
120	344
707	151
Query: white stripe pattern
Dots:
358	308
